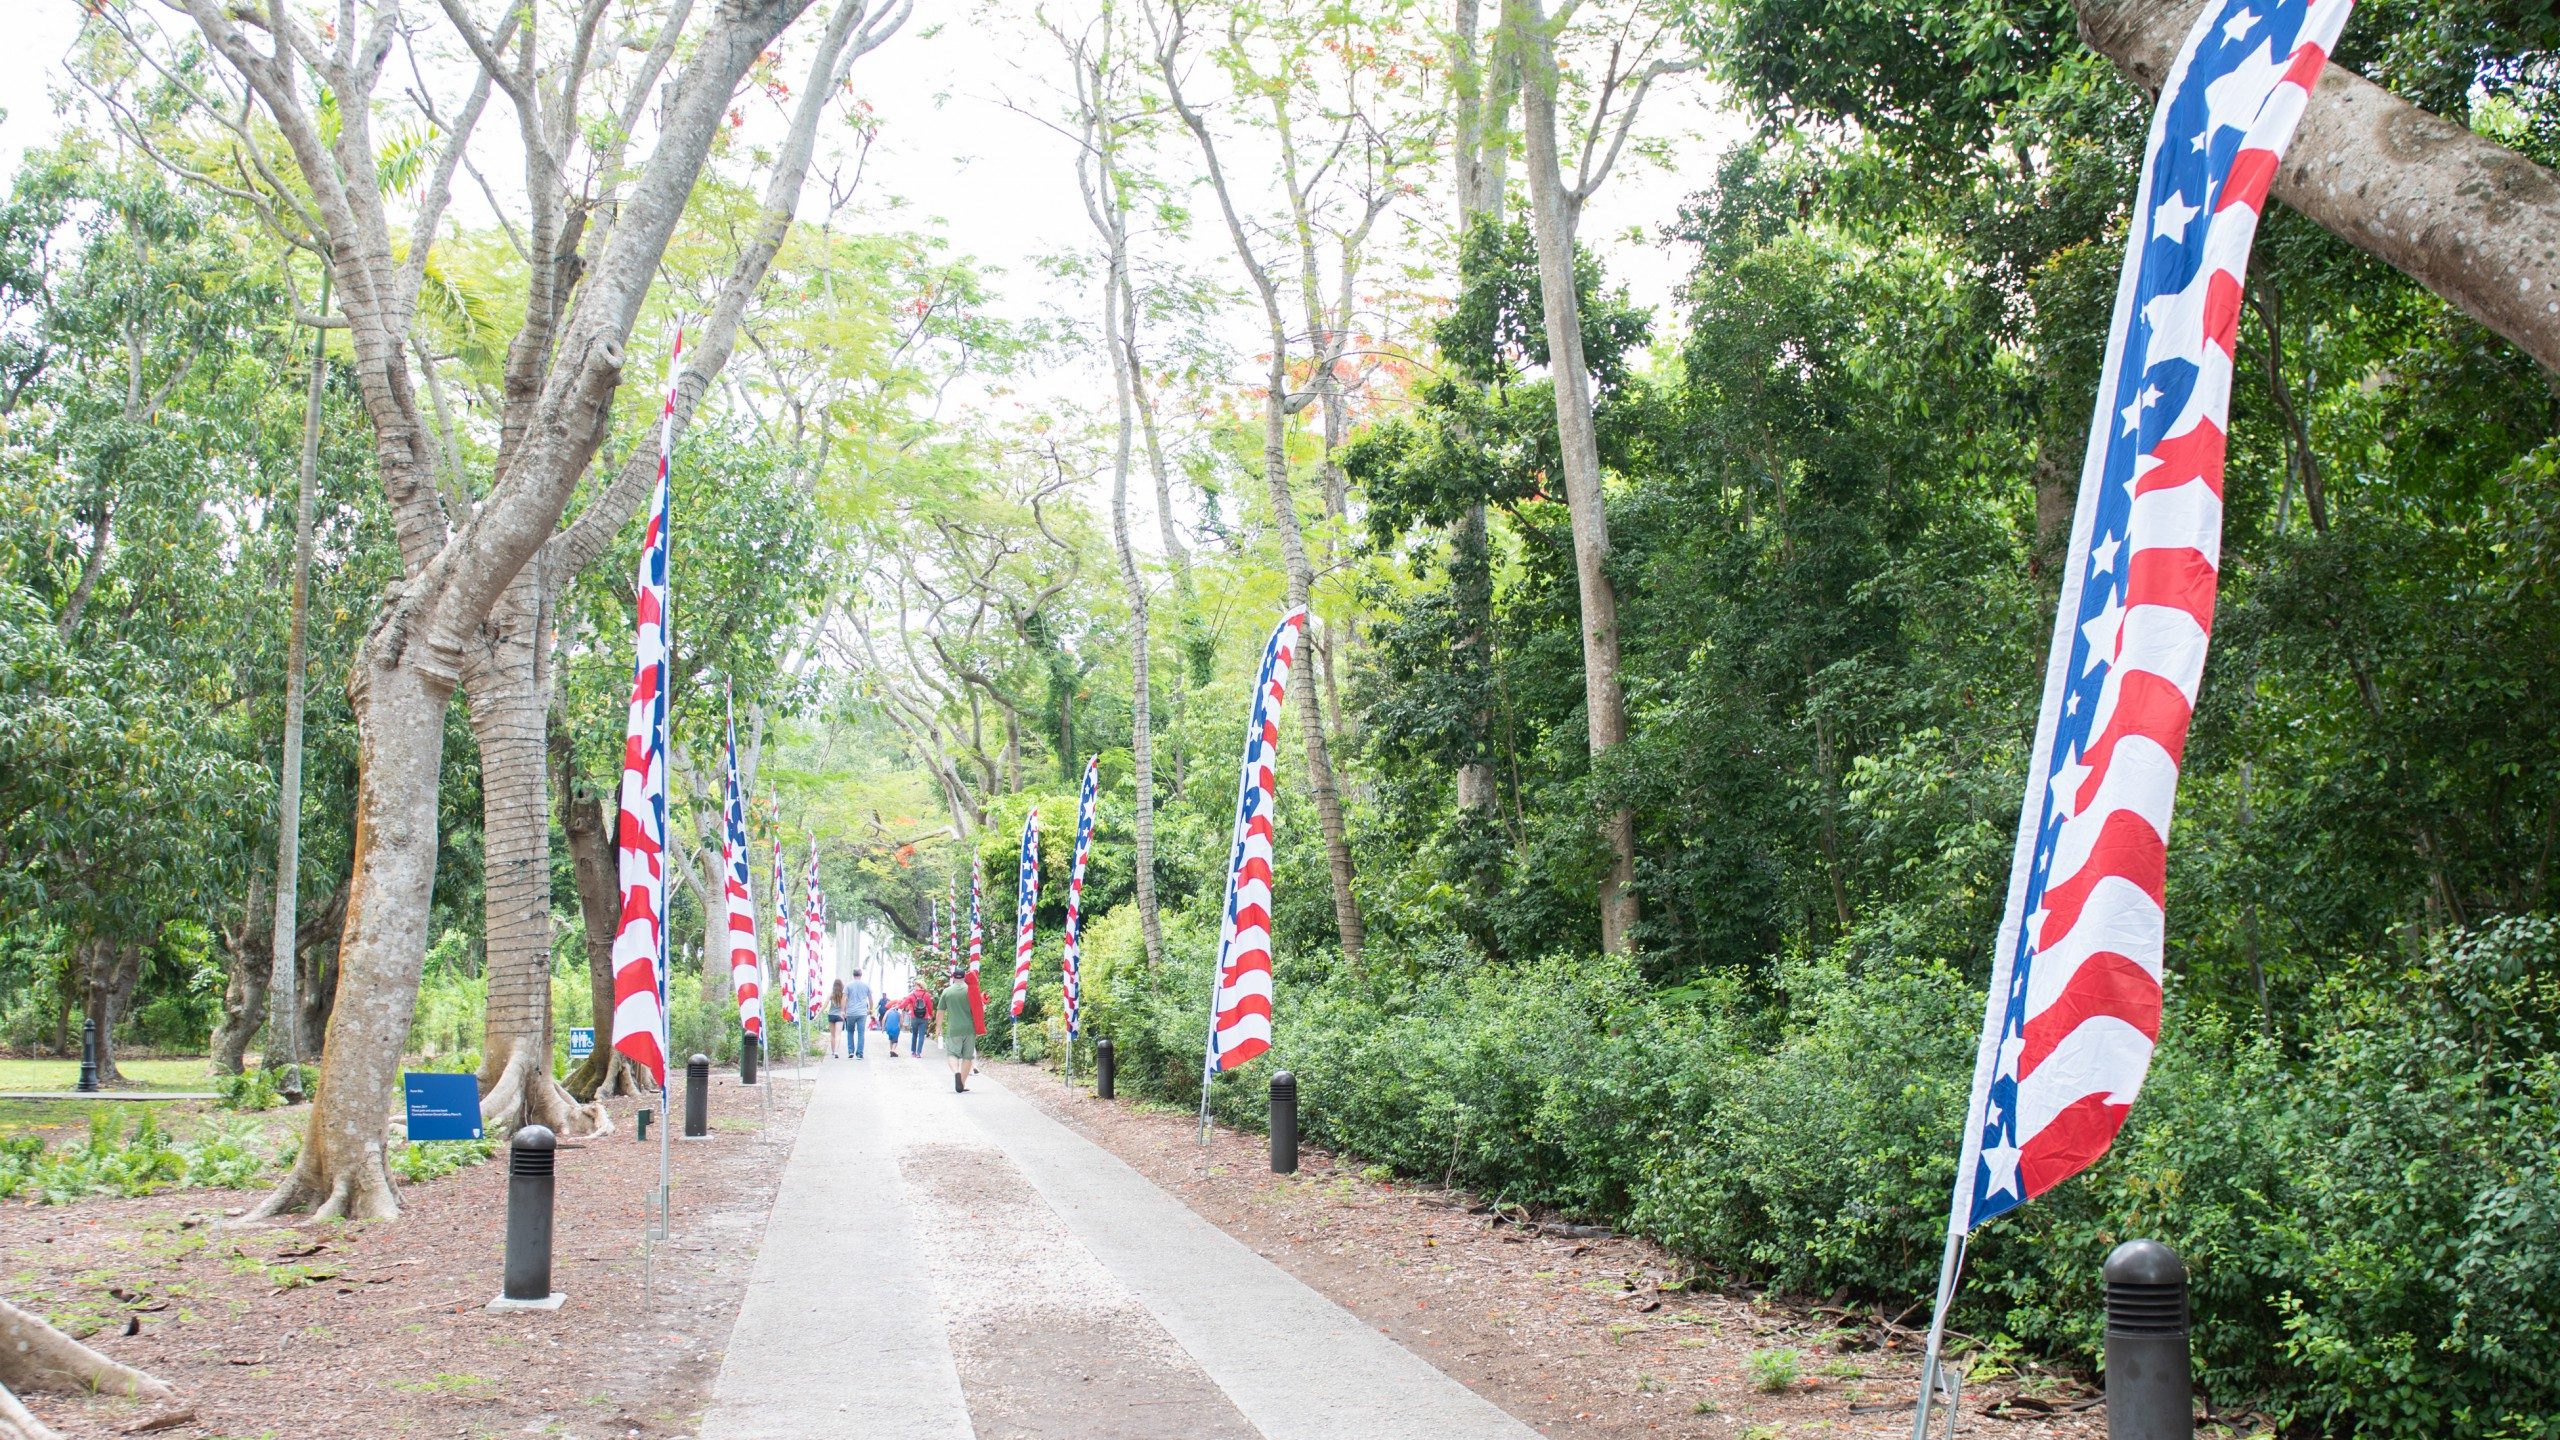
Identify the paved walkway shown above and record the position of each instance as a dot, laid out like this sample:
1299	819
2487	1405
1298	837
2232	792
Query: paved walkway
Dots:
940	1266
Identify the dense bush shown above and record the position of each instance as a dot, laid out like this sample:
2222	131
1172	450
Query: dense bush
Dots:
2373	1249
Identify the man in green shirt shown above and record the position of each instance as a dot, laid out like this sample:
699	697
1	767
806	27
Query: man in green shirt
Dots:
959	1037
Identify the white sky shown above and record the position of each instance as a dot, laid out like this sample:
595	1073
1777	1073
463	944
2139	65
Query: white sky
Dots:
996	183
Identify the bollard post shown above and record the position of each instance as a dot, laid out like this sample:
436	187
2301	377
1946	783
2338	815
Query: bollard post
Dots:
646	1113
88	1056
530	1178
1106	1069
1284	1123
697	1097
2150	1380
747	1058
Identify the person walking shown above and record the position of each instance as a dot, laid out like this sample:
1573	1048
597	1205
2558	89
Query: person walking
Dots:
857	1014
835	1016
959	1036
920	1013
897	1013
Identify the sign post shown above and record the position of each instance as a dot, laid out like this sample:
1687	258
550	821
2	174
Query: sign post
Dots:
582	1041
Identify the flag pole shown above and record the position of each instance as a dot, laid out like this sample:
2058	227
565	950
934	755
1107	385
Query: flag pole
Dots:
666	736
1932	1378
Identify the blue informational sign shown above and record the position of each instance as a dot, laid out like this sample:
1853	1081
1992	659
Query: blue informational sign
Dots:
582	1041
442	1106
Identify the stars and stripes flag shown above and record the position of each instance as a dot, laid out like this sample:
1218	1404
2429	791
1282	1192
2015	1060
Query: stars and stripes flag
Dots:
1026	902
813	936
783	970
640	830
2074	1006
1240	1005
1070	987
746	966
977	945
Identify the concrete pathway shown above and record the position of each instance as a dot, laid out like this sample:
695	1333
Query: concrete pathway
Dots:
942	1265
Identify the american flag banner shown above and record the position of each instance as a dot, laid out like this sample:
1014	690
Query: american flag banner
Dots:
640	830
813	936
1240	1003
1026	902
746	967
2073	1012
977	945
784	988
1070	988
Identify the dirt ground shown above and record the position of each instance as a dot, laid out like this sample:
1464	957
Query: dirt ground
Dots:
1572	1331
367	1332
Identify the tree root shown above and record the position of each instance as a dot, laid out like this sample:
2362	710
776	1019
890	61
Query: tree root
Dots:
361	1191
525	1094
35	1356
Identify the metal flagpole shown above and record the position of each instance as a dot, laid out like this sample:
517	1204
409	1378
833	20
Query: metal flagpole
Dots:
1934	1380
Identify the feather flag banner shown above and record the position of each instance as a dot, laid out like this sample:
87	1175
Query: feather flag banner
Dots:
813	935
640	830
784	988
977	946
1026	903
2073	1011
1071	991
746	966
1240	1004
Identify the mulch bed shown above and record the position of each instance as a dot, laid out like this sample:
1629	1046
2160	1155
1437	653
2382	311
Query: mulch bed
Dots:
364	1332
1583	1334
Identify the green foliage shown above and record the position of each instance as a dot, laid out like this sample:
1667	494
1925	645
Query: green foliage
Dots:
255	1089
418	1161
1774	1371
2368	1243
135	1156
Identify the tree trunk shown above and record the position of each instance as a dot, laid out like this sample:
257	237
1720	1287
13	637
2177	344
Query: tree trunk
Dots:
1349	926
506	692
1604	697
108	972
1471	590
583	824
283	1056
1119	329
399	711
2455	211
35	1356
244	992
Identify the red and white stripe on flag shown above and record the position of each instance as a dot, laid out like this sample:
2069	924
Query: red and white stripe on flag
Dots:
2074	1006
1026	903
1070	985
640	829
746	967
785	988
1240	1012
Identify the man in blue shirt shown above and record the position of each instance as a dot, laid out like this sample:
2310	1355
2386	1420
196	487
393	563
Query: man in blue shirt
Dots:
857	1013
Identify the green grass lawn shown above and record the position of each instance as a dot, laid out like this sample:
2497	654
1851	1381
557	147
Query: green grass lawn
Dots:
185	1072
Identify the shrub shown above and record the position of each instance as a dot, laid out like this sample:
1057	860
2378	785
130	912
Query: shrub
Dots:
1773	1371
2371	1215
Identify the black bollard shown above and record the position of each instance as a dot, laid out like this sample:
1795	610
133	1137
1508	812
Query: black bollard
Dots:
529	1197
747	1058
1284	1123
697	1097
645	1114
1106	1069
2150	1382
88	1056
